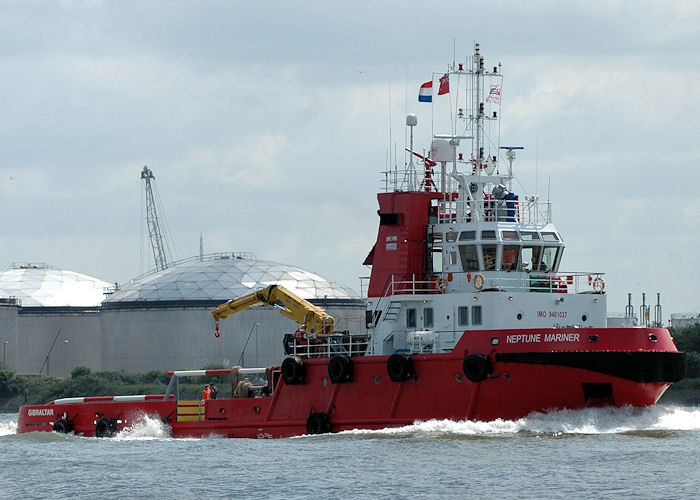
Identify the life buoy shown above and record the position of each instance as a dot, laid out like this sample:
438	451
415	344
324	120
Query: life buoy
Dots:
399	367
63	426
318	423
106	427
340	369
293	371
479	281
441	284
598	284
477	367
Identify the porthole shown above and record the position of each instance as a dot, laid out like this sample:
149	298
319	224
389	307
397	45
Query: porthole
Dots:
376	379
584	318
458	377
519	316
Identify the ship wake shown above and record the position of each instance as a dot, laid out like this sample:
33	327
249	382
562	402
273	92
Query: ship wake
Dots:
651	421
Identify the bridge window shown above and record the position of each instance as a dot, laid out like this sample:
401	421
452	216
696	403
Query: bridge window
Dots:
463	315
509	236
476	315
549	237
529	235
531	258
470	261
467	236
451	236
488	235
428	317
489	252
549	258
511	256
410	318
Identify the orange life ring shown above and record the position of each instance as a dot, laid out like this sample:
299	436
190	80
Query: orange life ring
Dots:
479	281
598	284
441	284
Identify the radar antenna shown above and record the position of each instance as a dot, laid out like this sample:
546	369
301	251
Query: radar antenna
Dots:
161	248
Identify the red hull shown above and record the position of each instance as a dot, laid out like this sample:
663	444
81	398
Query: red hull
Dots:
439	388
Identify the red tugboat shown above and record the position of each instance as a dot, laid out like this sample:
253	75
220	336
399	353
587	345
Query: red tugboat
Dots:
469	316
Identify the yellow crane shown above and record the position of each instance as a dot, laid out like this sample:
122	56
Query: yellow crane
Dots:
313	319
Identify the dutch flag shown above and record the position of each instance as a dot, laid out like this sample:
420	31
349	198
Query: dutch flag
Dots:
425	93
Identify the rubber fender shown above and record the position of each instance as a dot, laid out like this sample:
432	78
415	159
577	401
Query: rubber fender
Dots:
106	427
318	423
399	367
340	369
62	425
293	371
477	367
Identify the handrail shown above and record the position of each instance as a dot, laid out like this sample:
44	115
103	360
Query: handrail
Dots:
561	282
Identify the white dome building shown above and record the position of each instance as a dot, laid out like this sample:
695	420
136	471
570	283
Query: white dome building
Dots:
163	320
39	285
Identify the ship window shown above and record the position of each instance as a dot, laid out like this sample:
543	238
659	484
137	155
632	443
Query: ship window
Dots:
510	235
467	253
437	259
389	219
428	317
511	256
476	315
549	258
549	237
488	235
436	237
411	318
467	236
453	258
529	235
489	252
451	236
531	258
463	315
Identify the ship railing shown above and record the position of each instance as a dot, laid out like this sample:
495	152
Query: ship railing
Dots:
260	378
489	281
321	346
517	211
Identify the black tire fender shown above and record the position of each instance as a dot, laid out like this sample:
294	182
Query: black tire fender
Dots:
340	369
293	370
63	426
477	367
106	427
318	423
399	367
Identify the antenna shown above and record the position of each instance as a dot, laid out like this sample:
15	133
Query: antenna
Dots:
510	155
161	248
201	247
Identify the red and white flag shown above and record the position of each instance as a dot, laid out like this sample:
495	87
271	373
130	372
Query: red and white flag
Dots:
494	94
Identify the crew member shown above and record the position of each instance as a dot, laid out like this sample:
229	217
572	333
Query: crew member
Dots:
213	391
206	392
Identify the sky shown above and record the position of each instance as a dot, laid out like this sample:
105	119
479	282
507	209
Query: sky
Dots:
267	126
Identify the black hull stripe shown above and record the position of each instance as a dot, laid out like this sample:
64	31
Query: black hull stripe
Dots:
640	366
